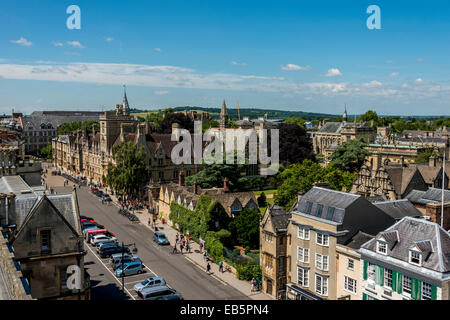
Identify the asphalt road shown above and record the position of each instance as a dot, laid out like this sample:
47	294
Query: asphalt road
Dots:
180	274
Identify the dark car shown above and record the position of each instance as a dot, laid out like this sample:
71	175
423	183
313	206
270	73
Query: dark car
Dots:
110	250
99	193
106	198
160	238
87	224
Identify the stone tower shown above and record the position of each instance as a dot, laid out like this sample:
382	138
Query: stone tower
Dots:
344	117
224	116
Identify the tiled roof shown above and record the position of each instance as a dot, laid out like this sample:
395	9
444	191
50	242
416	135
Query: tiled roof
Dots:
398	209
358	240
331	127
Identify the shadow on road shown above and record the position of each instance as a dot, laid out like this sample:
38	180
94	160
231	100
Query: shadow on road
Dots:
107	292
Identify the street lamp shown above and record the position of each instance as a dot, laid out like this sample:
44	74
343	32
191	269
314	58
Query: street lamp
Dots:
135	250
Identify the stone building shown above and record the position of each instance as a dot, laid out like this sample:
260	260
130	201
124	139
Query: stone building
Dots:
407	261
273	255
332	134
45	234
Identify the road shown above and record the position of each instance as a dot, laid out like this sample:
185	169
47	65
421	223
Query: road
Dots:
180	274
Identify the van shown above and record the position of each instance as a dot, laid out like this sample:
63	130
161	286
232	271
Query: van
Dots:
129	269
153	292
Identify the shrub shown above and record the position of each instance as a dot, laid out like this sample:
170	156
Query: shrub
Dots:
248	271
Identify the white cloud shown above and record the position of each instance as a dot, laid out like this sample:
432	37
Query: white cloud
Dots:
109	39
161	93
57	44
294	67
419	59
372	84
158	49
22	41
333	72
75	44
418	81
394	74
235	63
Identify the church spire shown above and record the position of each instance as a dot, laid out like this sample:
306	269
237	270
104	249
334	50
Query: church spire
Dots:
344	117
126	106
224	115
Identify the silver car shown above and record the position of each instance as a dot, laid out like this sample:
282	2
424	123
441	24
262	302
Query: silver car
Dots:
116	259
149	282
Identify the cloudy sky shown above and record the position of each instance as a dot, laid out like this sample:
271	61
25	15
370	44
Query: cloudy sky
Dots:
292	55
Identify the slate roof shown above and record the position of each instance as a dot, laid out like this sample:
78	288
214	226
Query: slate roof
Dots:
329	199
398	209
400	177
416	232
358	240
432	195
331	127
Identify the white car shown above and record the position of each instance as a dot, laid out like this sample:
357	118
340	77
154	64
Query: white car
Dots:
101	238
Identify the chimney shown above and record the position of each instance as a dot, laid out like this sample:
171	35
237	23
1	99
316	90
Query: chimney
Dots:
402	161
432	161
2	209
195	187
322	184
181	178
11	216
300	194
226	187
122	136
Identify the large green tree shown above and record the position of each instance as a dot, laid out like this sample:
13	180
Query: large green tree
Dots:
67	127
130	170
302	177
245	228
295	120
46	152
350	155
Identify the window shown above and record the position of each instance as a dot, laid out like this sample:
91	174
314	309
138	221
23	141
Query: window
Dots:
382	247
321	262
330	213
322	239
269	237
303	254
350	264
308	207
303	277
303	233
45	241
350	284
321	285
415	257
426	291
319	210
406	284
269	261
388	278
371	272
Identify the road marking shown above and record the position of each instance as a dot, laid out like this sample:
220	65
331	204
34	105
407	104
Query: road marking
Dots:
120	283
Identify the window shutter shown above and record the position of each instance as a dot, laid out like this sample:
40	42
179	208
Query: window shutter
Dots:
380	275
433	292
364	295
416	289
365	269
394	280
400	283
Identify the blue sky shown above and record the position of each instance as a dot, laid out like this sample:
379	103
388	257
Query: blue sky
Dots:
292	55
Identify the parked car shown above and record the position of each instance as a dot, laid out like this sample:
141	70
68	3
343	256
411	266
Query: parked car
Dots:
116	260
94	232
160	238
89	228
108	251
174	296
106	198
99	193
129	269
153	292
87	218
149	282
94	190
101	238
101	245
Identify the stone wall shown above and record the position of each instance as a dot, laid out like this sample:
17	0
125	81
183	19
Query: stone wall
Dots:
10	275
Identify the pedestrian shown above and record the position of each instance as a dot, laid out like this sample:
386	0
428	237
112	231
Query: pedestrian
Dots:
176	237
201	246
184	241
188	248
253	284
208	268
174	248
221	266
205	256
181	248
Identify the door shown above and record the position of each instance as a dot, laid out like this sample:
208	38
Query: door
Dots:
269	286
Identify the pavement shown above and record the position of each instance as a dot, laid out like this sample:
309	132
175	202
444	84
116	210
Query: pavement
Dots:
195	257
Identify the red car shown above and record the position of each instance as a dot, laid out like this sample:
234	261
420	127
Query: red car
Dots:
94	190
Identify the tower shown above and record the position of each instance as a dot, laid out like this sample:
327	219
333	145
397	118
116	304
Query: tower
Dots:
126	107
224	116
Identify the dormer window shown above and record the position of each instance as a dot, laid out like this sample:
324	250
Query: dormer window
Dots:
381	247
308	207
319	210
415	257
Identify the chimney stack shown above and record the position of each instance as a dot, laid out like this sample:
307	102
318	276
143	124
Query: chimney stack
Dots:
300	194
2	209
11	216
181	178
195	187
432	161
226	187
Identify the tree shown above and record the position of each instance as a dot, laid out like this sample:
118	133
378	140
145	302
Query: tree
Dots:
424	155
295	145
47	152
295	120
180	118
67	127
245	228
350	155
262	200
130	170
302	177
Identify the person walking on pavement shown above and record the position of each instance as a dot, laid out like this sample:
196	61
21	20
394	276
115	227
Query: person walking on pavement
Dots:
204	256
188	248
208	268
253	284
221	266
201	246
181	248
176	238
174	248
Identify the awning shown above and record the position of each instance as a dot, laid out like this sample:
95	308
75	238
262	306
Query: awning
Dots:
303	292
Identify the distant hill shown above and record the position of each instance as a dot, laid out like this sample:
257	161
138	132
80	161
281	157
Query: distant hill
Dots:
251	113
